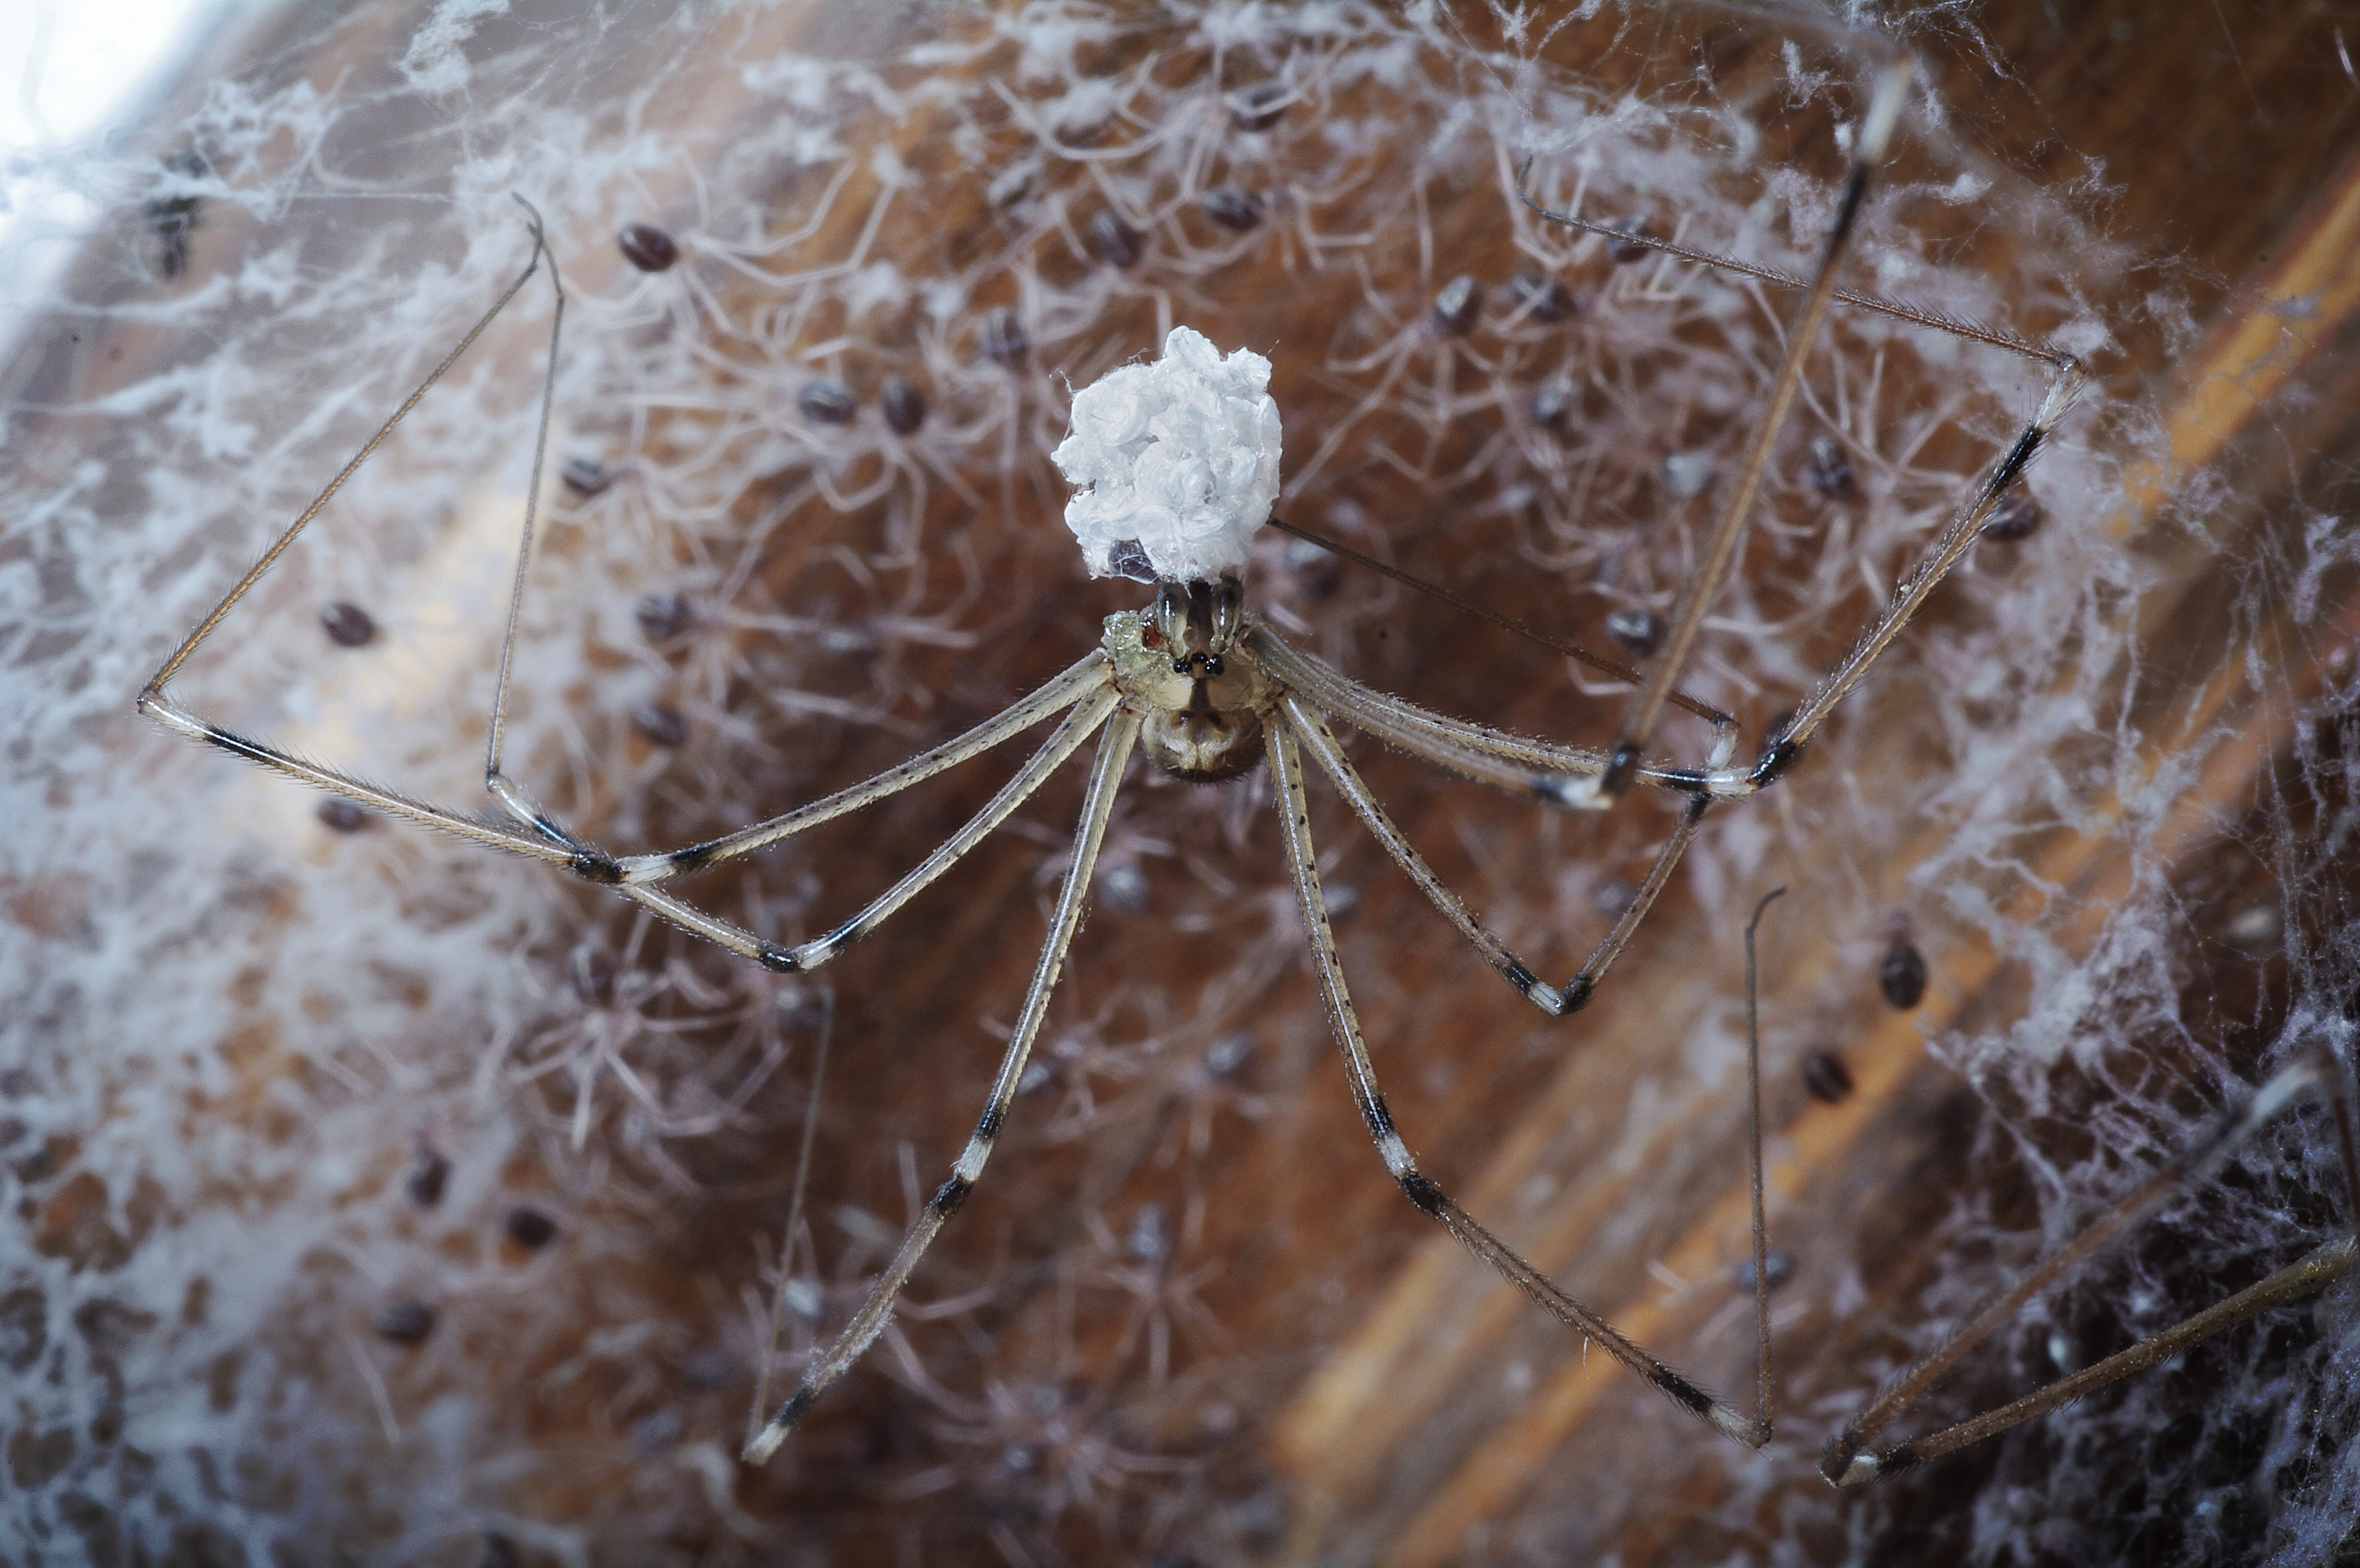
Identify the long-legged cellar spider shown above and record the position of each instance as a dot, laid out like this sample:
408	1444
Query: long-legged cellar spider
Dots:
1393	410
1180	478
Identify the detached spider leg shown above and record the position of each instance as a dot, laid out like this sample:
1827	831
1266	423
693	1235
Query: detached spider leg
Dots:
1847	1462
1106	779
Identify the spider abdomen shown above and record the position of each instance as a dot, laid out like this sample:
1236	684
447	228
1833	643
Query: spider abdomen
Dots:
1204	745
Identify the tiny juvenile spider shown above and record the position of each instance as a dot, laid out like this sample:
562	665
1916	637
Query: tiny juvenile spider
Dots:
1208	690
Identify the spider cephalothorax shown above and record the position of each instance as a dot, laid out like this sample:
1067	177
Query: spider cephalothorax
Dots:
1180	666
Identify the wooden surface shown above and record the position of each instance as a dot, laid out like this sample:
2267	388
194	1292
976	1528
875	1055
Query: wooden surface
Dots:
1308	1373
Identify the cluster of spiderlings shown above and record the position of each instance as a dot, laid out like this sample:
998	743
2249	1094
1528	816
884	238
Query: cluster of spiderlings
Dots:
825	311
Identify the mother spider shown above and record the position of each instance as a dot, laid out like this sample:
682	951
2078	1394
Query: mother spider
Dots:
1209	688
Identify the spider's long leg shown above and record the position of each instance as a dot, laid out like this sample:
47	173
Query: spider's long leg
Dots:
1286	771
1846	1465
1535	769
1062	743
1106	778
180	655
1316	738
501	787
1753	1166
1086	674
2313	1273
793	1226
156	705
1947	551
179	719
1584	983
1720	551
